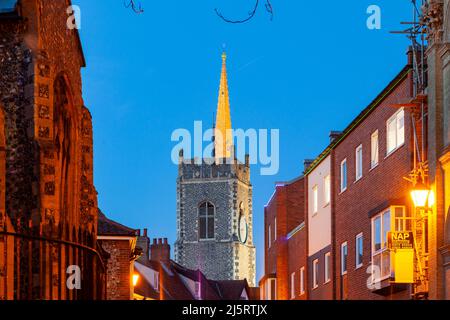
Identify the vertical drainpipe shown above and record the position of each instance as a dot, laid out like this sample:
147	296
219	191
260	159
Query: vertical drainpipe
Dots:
333	223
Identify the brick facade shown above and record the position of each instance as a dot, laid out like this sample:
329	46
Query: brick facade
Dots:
375	191
285	213
355	204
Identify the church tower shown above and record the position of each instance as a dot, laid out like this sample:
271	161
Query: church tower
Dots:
214	206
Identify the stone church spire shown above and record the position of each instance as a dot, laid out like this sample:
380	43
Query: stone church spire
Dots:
223	141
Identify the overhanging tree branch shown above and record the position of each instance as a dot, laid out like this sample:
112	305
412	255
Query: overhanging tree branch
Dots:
135	7
251	14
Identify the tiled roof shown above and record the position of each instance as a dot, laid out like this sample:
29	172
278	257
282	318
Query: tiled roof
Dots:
108	227
7	6
174	288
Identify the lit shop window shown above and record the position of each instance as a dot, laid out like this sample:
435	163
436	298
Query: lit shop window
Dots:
395	131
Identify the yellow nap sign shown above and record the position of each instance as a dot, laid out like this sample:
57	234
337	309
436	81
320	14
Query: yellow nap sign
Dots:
400	240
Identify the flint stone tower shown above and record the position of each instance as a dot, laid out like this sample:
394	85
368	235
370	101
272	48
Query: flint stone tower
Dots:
214	206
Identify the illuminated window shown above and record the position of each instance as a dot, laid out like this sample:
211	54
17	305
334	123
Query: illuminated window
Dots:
374	155
315	273
327	267
395	131
359	251
359	162
327	189
315	199
271	289
302	280
344	175
395	218
206	221
293	285
344	254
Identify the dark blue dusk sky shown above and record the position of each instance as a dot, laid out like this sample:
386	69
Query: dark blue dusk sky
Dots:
310	70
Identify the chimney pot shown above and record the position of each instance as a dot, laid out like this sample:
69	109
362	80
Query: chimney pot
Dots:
145	232
334	135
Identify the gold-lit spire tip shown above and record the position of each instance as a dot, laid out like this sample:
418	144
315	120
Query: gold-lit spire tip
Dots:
224	56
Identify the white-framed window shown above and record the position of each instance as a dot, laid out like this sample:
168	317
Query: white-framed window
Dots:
344	175
275	229
315	191
327	267
344	254
359	250
315	273
271	289
396	218
395	127
302	280
374	154
293	285
327	189
269	237
359	162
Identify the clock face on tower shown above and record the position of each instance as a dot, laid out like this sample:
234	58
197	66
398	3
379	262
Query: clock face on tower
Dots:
243	229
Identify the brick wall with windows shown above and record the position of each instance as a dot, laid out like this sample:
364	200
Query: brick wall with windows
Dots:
372	187
283	213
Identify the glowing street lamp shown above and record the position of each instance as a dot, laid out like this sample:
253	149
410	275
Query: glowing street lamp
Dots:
420	194
135	279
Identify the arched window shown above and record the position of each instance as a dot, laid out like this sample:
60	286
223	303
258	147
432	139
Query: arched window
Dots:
206	220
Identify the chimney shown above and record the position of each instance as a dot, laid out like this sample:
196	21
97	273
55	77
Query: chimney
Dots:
143	242
334	135
160	250
307	163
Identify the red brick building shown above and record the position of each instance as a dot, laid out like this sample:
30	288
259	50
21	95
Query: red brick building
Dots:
355	194
285	246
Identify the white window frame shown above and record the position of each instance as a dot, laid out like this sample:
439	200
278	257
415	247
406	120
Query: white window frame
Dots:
327	189
344	245
315	264
269	236
327	267
359	162
269	289
315	191
374	150
383	250
293	285
344	162
302	280
358	263
399	118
